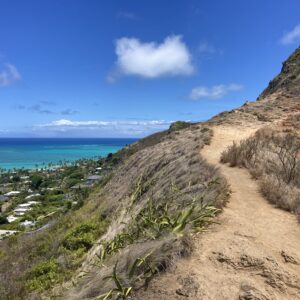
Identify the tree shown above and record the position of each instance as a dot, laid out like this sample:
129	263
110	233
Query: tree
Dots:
36	181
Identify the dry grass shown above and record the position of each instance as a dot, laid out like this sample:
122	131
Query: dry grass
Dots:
171	175
273	157
165	169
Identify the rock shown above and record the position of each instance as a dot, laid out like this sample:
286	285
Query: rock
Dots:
289	258
249	292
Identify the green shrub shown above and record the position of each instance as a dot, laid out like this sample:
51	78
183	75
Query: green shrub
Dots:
43	275
36	181
55	198
71	182
77	175
83	236
178	125
3	220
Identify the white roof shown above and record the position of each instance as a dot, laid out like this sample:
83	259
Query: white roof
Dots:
33	202
94	177
24	205
12	193
32	196
27	223
11	219
21	209
20	213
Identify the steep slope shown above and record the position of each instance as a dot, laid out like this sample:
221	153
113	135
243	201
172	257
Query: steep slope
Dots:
148	202
288	80
279	101
163	189
252	254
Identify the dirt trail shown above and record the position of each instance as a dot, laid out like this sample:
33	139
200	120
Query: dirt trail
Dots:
254	253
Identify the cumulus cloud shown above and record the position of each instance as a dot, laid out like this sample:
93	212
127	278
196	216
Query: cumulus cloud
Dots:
214	92
152	60
292	36
110	128
9	75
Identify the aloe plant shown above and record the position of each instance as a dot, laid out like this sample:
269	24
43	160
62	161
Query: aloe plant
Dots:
120	291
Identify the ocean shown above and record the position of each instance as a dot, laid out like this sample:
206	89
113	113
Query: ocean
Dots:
29	153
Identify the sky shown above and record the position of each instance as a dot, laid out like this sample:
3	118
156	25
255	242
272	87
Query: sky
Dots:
75	68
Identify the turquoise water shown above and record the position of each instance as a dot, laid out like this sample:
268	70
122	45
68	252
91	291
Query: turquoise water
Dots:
30	153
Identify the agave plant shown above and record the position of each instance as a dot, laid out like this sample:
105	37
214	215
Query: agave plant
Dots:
148	272
120	291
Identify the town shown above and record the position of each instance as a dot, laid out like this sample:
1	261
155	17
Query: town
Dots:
31	199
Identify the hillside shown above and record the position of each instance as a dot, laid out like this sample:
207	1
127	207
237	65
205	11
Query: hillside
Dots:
288	80
183	213
253	251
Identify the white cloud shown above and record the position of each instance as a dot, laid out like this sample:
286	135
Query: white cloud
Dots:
215	92
69	123
8	75
108	128
292	36
152	60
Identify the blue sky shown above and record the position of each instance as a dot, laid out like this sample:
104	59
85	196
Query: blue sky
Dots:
128	68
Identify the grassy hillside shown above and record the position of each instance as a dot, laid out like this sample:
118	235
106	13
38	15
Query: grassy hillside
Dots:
133	225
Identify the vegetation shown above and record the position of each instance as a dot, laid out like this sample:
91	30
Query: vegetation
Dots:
274	158
138	218
43	275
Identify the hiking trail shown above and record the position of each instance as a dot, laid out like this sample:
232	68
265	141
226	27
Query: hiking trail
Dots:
252	253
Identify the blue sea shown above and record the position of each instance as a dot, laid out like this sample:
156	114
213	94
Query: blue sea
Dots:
29	153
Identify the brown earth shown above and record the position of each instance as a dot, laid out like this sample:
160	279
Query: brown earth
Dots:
254	251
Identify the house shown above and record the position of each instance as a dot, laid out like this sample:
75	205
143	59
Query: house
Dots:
20	211
27	223
12	194
11	219
93	179
32	196
24	205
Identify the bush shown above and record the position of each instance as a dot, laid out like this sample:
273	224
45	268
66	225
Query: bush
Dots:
81	237
3	220
178	125
71	182
273	157
43	276
36	181
77	175
280	194
54	198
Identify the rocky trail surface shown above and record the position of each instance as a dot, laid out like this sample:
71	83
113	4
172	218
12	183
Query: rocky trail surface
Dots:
252	253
